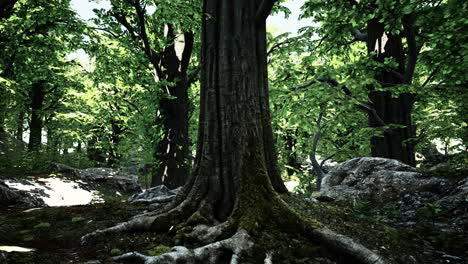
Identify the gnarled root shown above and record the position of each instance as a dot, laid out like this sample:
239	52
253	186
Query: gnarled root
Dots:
138	223
230	249
348	246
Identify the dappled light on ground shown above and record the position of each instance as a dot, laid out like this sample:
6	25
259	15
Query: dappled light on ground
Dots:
58	192
290	185
15	249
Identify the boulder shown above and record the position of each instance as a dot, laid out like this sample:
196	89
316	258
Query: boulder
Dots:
378	180
17	198
456	204
121	180
409	195
158	194
113	178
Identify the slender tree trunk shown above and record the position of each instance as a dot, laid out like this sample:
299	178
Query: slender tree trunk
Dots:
117	131
52	141
292	164
20	126
93	150
35	131
79	147
396	143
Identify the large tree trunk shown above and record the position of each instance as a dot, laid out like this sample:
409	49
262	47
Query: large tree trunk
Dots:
395	143
235	176
35	127
235	146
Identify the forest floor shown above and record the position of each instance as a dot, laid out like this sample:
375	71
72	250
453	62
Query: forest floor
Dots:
54	233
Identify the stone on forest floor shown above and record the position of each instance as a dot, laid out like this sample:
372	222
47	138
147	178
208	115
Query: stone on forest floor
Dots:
378	180
405	189
69	186
158	194
18	198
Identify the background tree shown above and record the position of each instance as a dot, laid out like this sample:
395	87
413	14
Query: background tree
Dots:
166	40
395	36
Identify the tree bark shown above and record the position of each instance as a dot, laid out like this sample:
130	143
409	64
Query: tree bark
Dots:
235	145
115	137
37	102
235	175
172	151
20	126
93	150
292	163
396	143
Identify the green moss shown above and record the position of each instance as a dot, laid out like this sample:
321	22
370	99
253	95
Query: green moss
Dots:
42	225
159	250
197	219
77	219
116	252
28	237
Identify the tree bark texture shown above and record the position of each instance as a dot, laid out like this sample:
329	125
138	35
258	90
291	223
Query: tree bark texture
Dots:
293	165
36	123
115	138
172	151
235	144
20	126
6	72
396	143
235	180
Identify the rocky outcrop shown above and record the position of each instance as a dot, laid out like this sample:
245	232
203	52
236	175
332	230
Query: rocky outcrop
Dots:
158	194
378	180
17	198
125	182
411	193
408	199
109	177
67	186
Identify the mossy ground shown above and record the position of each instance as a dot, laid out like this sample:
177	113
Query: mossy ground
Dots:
55	232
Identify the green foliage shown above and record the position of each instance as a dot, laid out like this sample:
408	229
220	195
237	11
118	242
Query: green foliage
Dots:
431	212
328	50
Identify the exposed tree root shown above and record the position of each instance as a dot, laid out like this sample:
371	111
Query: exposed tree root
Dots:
348	246
163	199
209	234
160	219
138	223
225	251
283	218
